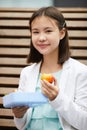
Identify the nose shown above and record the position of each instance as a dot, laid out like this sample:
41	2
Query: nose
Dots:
42	37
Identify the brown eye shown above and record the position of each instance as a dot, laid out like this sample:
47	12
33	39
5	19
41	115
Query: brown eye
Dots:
35	32
48	31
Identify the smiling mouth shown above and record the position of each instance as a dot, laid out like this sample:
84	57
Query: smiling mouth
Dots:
43	45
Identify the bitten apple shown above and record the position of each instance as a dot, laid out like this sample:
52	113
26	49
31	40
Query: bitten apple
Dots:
48	77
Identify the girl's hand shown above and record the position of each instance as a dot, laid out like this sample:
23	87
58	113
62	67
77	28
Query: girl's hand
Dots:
50	90
19	111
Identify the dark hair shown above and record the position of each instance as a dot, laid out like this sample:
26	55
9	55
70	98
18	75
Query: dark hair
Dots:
54	13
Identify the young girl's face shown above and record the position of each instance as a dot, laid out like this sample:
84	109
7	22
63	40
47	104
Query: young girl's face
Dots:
46	35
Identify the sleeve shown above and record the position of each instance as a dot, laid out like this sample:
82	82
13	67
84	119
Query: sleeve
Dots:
21	123
74	111
22	80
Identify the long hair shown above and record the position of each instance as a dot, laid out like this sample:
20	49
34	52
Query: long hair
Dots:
64	52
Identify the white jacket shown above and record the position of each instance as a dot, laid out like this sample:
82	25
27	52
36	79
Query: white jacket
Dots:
71	103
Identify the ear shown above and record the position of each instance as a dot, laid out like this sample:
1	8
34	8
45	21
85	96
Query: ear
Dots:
62	33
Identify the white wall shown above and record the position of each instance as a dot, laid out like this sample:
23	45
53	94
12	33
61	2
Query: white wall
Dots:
25	3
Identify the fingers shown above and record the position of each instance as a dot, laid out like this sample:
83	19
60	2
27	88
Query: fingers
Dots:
49	90
19	111
55	82
47	85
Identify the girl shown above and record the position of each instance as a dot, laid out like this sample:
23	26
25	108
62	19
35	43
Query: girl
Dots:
49	53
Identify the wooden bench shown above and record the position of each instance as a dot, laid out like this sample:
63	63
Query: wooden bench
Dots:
14	47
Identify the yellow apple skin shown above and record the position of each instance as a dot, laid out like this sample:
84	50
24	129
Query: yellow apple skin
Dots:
48	77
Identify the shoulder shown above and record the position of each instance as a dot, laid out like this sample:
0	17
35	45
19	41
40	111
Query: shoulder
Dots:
30	68
77	66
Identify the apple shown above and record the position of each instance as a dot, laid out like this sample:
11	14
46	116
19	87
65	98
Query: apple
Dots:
48	77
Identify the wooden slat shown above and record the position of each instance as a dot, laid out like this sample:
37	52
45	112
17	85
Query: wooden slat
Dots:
14	51
28	15
25	23
15	23
15	32
78	43
10	70
15	42
16	15
27	9
79	53
9	81
76	24
77	33
69	10
26	42
24	52
75	15
26	33
78	9
6	90
6	112
13	61
7	122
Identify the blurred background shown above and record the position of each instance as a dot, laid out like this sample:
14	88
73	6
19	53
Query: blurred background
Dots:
39	3
15	41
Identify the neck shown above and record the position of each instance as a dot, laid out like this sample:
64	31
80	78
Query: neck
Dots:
50	65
